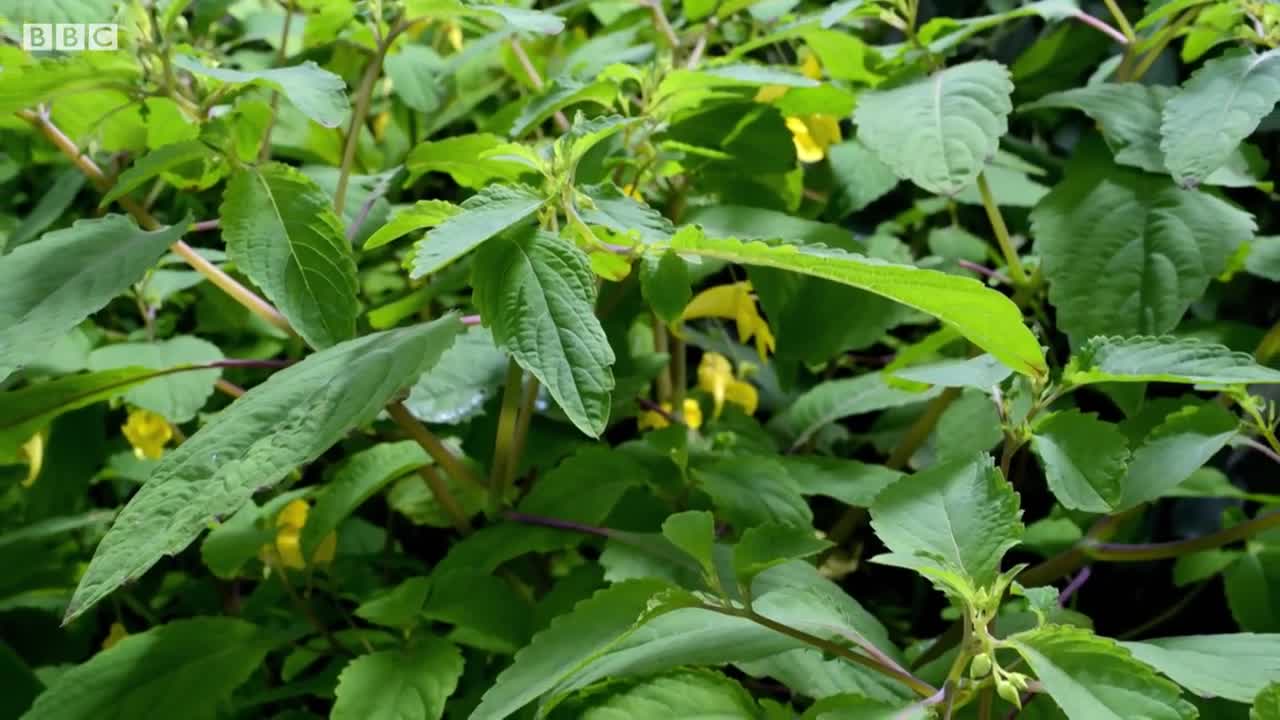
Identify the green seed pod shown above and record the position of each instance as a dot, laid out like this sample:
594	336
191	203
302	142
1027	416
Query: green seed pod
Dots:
1019	680
980	667
1007	691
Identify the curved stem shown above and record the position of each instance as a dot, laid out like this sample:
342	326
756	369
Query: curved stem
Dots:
505	440
1143	552
1016	271
1166	36
364	96
443	456
440	490
1121	21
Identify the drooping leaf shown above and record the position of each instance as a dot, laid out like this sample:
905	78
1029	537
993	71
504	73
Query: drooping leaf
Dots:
941	130
316	92
482	216
1084	459
177	397
960	516
422	214
1095	678
1175	449
412	682
537	294
463	158
1217	108
1236	667
28	83
559	94
980	373
836	399
849	481
860	178
986	317
682	694
49	286
288	420
207	657
665	285
155	163
457	388
1164	359
282	232
1126	252
612	208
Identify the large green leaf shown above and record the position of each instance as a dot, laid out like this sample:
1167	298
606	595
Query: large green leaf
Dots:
1126	252
287	421
537	293
25	83
360	478
462	158
1084	460
959	516
316	92
178	397
568	644
1236	667
1220	106
49	286
753	490
990	320
835	399
462	382
1094	678
689	694
941	130
282	232
1176	448
422	214
157	163
206	658
399	684
483	215
1129	117
1164	359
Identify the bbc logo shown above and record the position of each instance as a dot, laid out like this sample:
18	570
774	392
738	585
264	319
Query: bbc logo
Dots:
70	36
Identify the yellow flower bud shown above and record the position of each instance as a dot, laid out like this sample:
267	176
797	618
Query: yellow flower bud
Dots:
33	452
148	433
288	543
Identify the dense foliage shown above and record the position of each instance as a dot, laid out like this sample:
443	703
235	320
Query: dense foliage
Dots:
631	359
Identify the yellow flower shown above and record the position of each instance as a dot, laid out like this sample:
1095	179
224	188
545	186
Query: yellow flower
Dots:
653	420
454	33
148	433
809	67
769	93
288	546
813	134
715	376
33	451
114	635
733	302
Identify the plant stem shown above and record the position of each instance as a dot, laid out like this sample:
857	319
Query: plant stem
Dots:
1166	36
527	407
505	440
364	96
264	153
664	25
147	221
229	388
1270	345
1165	615
898	459
1143	552
661	344
1016	272
535	79
679	374
438	451
1101	26
1121	21
920	687
440	490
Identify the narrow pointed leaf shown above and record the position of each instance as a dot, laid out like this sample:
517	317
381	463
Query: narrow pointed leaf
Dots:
482	216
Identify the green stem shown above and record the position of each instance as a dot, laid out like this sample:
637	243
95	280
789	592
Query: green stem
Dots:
662	345
504	441
918	686
679	375
440	490
527	404
1162	41
1016	271
364	96
438	451
1143	552
264	153
1270	345
1122	22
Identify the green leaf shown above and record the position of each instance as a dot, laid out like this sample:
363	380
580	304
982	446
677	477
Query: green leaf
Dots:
398	684
851	707
281	230
1164	359
206	657
1253	587
765	546
1084	460
694	532
1217	108
559	94
49	286
422	214
1264	258
623	214
835	399
860	178
155	163
1266	706
939	131
1095	678
26	84
690	694
1236	667
568	644
961	515
537	293
399	607
1126	252
48	210
24	412
753	490
361	477
288	420
466	377
1176	448
177	397
849	481
666	286
986	317
980	373
316	92
482	216
463	158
